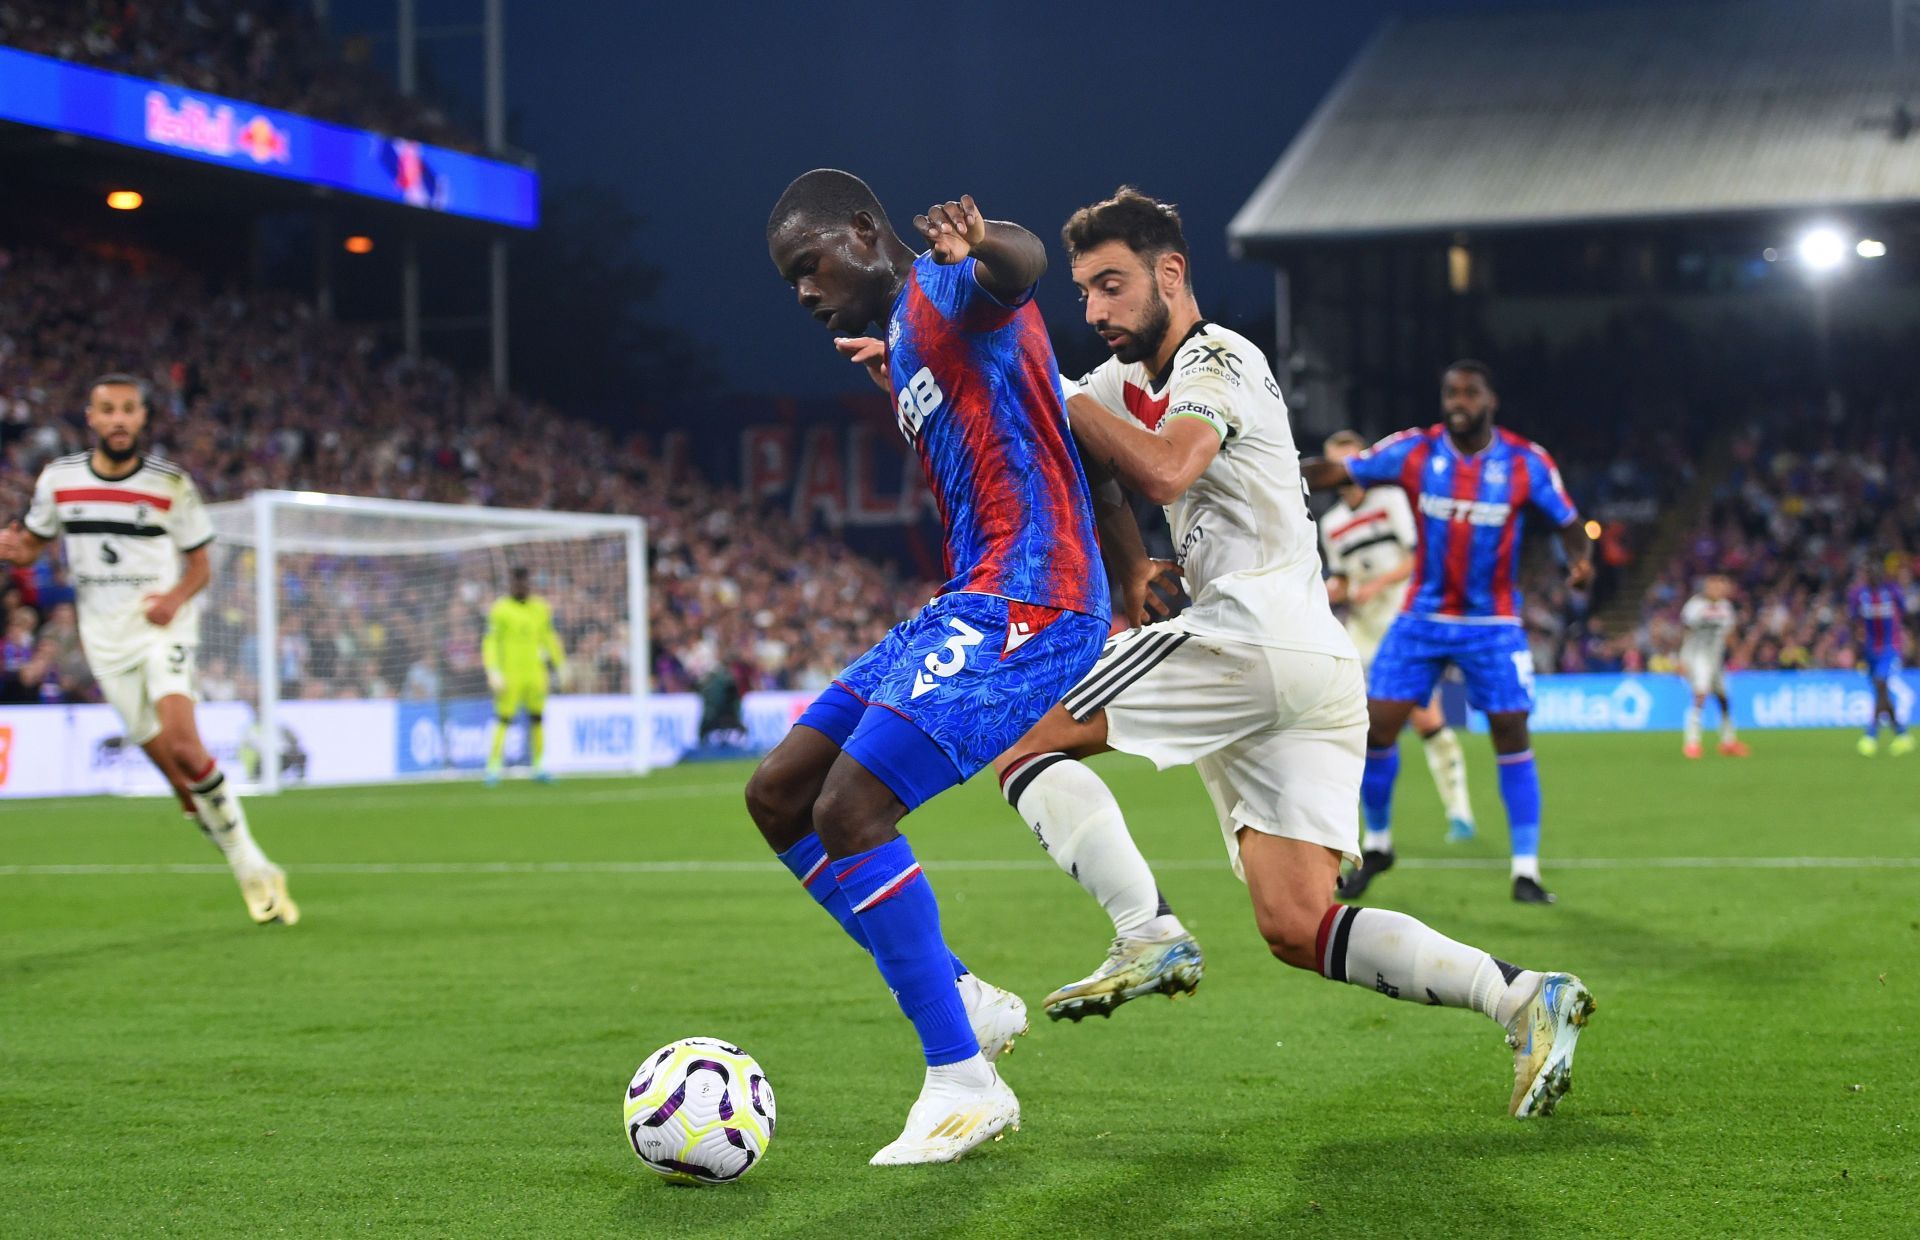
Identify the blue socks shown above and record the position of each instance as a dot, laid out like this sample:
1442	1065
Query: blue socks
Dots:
1376	789
1520	790
807	861
893	904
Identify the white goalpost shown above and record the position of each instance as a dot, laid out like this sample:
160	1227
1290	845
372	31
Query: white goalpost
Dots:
323	599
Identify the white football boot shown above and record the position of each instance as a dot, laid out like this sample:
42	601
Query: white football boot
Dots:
952	1116
268	901
997	1016
1542	1036
1133	967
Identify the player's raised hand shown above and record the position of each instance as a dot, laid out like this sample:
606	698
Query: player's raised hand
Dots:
868	352
952	229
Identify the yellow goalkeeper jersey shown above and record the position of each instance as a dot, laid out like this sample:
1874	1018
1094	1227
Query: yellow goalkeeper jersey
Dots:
517	635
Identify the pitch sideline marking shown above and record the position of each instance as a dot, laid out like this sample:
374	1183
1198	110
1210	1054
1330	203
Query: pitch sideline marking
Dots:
460	798
991	866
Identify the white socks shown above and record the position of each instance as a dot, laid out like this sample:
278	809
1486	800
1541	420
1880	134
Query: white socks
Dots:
1448	763
1080	825
1692	734
218	808
1525	867
1403	958
974	1073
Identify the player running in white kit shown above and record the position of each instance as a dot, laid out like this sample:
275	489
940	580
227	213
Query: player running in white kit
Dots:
1709	618
131	523
1256	684
1368	539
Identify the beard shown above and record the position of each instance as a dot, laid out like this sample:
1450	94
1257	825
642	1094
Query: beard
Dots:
1474	424
120	456
1145	341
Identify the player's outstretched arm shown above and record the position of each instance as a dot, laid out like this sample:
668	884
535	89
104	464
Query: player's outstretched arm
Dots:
1579	549
1324	475
20	545
1158	465
1010	259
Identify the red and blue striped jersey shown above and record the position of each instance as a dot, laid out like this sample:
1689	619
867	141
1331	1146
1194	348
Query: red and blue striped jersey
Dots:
977	393
1882	611
1471	513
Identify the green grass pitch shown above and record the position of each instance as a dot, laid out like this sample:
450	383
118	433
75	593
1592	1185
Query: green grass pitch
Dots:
442	1045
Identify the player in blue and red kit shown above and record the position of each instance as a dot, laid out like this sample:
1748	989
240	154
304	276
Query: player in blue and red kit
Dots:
1022	616
1880	610
1470	484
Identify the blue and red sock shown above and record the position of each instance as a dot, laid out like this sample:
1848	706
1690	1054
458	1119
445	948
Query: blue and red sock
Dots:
893	904
807	861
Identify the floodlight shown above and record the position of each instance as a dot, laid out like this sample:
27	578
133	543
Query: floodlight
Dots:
1822	249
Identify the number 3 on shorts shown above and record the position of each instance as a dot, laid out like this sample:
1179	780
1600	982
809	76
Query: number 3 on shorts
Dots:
950	658
1523	668
176	657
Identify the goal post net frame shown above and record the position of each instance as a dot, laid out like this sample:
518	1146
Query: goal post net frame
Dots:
470	528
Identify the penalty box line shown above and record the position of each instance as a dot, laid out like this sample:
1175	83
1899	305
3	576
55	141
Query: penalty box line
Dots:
988	866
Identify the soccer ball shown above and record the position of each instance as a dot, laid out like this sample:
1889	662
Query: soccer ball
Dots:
700	1111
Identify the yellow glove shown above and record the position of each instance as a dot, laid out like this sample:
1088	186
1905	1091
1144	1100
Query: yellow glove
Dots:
495	680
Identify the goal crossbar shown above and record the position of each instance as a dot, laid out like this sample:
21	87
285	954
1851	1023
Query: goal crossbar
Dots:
264	515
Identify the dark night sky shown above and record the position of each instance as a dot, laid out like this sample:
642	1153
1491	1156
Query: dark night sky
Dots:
700	114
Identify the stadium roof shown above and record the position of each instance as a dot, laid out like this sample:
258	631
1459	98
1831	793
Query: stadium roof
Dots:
1662	111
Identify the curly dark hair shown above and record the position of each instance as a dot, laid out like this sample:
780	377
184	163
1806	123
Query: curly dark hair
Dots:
1146	225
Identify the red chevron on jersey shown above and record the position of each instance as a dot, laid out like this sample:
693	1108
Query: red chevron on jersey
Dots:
1149	409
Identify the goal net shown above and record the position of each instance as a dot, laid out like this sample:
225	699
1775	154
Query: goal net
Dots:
322	599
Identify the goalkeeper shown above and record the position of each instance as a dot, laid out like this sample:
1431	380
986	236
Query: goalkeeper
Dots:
520	647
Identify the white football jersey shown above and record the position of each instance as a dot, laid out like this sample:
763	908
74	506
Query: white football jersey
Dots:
1709	623
1369	541
1241	532
123	537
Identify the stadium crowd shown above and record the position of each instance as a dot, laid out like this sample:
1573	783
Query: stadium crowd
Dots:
274	53
1810	500
254	392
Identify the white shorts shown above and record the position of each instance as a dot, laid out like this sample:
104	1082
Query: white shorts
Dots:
1366	639
1705	676
134	692
1279	736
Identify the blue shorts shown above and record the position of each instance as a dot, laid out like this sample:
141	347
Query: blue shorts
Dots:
1494	658
951	689
1884	666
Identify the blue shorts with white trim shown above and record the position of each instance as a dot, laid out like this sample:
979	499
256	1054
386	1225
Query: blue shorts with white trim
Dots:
1494	658
952	688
